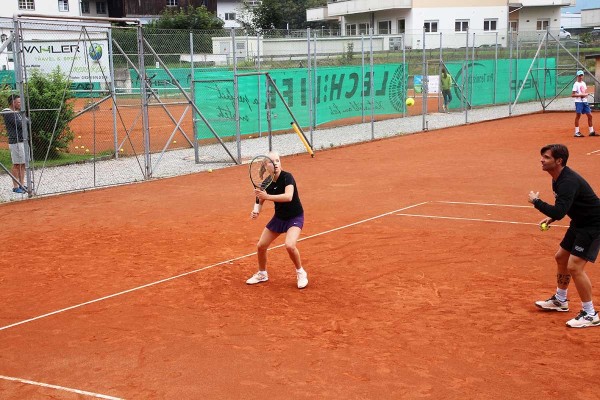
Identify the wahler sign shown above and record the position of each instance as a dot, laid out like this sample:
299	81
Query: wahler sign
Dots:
83	61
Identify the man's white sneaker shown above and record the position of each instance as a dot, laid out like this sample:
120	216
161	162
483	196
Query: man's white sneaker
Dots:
302	279
553	304
583	320
260	276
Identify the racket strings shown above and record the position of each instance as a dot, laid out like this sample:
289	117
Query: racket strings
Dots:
260	175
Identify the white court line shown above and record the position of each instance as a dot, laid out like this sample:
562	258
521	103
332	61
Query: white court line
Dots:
197	270
482	204
65	389
475	219
592	152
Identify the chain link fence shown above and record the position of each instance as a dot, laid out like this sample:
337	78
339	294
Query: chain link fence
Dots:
106	104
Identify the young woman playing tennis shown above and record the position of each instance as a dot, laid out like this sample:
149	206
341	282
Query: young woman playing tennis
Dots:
288	219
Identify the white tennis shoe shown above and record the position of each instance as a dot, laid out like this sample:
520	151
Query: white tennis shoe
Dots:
553	304
302	279
583	320
260	276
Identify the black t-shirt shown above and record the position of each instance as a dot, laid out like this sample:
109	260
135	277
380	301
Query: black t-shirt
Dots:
573	197
289	209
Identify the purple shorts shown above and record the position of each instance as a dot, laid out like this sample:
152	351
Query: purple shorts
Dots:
281	226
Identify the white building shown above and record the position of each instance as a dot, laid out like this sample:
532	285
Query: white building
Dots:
53	7
590	18
490	20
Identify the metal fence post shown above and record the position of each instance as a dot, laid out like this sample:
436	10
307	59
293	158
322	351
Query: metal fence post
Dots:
143	93
309	81
236	100
495	69
372	86
113	93
424	83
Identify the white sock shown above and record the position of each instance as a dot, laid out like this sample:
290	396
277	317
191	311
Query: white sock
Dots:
591	129
561	294
588	307
300	270
577	130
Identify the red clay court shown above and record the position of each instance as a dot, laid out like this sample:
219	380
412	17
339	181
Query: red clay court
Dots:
424	260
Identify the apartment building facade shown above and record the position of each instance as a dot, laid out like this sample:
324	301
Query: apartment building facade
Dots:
490	19
100	8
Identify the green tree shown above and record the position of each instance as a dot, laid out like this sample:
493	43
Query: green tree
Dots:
50	112
187	18
280	14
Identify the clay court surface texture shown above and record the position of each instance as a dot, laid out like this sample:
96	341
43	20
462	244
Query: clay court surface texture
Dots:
423	255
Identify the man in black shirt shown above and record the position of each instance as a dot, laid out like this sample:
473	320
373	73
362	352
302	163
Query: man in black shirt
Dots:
575	198
288	219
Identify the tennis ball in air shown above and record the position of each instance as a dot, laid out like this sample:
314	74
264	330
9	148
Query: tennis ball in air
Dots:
174	141
410	101
544	226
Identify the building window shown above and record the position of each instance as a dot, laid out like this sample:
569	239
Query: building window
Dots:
63	5
229	16
401	26
543	24
26	5
461	25
364	29
384	27
490	24
172	3
431	26
85	7
350	29
100	7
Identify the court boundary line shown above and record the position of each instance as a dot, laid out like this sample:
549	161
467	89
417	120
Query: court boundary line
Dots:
477	219
198	270
57	387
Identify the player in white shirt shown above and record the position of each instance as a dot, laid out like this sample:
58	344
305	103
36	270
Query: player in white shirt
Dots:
581	104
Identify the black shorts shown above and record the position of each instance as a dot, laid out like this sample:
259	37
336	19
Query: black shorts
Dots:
582	242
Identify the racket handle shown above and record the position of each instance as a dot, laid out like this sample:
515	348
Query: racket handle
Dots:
256	208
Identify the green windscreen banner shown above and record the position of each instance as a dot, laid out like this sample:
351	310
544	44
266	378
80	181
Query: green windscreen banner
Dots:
487	79
338	93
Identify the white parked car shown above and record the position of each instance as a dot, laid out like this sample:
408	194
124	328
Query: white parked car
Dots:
564	34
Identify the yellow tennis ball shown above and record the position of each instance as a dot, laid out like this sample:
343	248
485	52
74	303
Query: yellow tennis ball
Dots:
210	170
544	226
410	101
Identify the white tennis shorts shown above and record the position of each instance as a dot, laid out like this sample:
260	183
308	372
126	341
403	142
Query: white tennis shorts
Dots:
17	153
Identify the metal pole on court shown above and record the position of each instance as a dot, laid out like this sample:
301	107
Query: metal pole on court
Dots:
309	80
193	95
143	93
113	92
236	100
424	84
372	87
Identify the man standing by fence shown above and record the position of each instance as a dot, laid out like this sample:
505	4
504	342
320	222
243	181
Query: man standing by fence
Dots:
14	127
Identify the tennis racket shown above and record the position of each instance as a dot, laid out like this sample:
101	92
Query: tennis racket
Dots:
262	173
